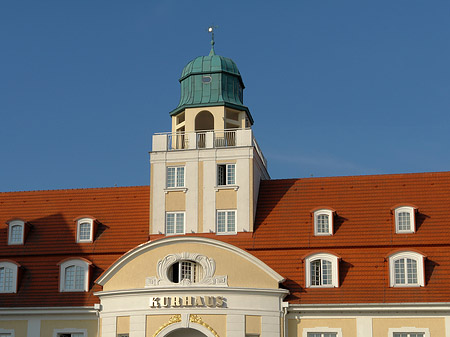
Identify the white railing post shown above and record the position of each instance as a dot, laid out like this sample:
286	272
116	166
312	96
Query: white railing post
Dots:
209	139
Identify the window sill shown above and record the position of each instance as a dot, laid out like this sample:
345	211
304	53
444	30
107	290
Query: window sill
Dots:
323	234
226	233
226	187
175	189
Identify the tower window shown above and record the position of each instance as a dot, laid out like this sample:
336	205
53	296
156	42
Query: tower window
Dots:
226	174
175	176
175	223
226	222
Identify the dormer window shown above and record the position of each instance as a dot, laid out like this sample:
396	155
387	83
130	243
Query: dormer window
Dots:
321	270
406	269
16	232
85	229
8	276
74	275
405	221
323	222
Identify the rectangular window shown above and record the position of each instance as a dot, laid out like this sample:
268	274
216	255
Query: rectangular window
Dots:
226	221
175	176
175	223
226	174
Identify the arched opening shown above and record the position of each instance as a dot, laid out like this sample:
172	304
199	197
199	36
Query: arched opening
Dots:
203	121
185	332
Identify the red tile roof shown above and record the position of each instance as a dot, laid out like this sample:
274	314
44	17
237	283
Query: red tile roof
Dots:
364	234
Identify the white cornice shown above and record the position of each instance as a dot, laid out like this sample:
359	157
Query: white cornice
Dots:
130	255
369	307
47	311
189	290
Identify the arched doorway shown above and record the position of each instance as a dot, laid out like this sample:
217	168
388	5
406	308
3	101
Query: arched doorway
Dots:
203	121
185	332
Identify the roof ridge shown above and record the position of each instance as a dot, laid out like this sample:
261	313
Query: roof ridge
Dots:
76	189
365	175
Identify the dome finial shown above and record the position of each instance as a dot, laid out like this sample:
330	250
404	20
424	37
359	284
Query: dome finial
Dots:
211	30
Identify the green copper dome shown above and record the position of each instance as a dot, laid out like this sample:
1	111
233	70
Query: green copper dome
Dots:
210	81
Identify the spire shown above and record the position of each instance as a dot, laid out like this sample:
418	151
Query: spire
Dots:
211	30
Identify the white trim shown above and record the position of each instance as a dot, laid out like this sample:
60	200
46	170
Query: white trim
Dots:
327	212
200	288
10	331
419	258
338	331
91	234
130	255
12	224
405	209
334	269
425	331
177	214
68	330
62	274
47	311
226	211
388	308
14	268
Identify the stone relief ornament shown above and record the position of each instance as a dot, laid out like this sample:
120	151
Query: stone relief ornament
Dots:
207	265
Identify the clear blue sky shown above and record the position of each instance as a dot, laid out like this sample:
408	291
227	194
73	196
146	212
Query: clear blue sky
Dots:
335	87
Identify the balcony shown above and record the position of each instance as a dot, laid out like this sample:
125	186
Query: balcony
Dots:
209	139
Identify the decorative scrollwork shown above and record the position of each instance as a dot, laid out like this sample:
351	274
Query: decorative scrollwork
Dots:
172	320
198	320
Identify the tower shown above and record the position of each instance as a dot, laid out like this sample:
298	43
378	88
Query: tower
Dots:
205	173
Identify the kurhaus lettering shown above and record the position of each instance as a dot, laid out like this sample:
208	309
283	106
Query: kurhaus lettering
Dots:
188	301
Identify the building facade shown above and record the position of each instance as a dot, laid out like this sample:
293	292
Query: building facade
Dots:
214	247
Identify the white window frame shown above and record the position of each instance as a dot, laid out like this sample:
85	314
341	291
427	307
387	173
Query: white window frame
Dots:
338	331
318	213
89	221
226	211
57	332
62	274
177	214
12	224
425	331
177	173
14	268
334	269
420	261
412	218
227	169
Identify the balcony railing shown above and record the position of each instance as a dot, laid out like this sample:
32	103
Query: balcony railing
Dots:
172	141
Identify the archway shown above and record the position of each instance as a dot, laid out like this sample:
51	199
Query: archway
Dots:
204	121
185	332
